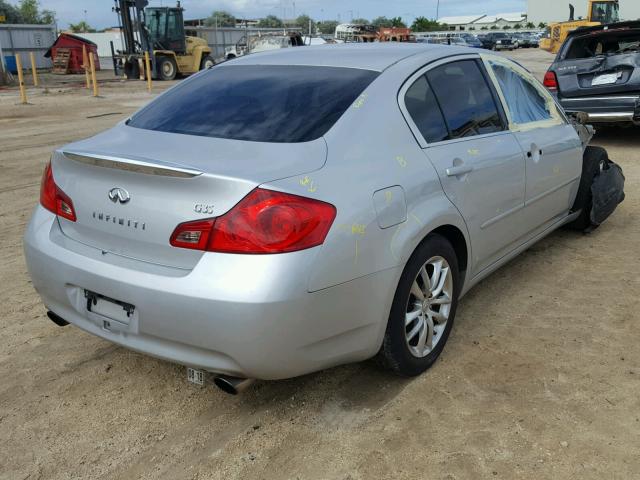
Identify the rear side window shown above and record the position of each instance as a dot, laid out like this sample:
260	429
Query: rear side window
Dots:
261	103
424	110
525	102
465	98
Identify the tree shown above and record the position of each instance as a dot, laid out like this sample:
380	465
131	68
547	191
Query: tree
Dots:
220	18
270	21
381	22
484	28
423	24
328	27
303	22
81	27
10	12
397	22
494	27
27	11
542	25
360	21
507	27
517	26
531	25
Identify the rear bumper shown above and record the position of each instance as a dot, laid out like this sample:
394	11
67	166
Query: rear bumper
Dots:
241	315
605	109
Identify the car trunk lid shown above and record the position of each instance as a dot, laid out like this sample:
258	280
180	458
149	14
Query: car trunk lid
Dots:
131	187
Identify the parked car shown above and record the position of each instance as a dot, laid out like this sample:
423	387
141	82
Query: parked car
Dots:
534	40
471	40
263	43
597	71
522	40
497	41
265	242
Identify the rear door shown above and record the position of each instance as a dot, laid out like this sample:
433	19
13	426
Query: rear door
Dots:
456	117
552	148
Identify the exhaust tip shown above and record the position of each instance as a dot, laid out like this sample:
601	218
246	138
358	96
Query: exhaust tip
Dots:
232	385
58	320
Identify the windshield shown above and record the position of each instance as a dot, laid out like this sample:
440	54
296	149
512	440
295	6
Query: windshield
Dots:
260	103
605	12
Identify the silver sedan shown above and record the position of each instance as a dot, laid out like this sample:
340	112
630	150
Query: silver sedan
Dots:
294	210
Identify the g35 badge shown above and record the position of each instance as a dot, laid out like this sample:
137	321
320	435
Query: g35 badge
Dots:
203	208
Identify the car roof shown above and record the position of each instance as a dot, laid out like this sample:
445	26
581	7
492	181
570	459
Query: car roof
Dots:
368	56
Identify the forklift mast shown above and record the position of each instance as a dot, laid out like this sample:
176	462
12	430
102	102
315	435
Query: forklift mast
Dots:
131	15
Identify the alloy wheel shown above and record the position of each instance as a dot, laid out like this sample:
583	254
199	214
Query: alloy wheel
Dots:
428	306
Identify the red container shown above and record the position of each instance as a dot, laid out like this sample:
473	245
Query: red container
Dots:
74	43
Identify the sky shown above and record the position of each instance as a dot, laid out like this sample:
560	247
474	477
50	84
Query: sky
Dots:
99	15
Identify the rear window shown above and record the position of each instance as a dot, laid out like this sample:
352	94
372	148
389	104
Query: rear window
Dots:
609	43
260	103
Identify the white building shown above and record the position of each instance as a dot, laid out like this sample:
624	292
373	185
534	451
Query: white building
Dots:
485	22
548	11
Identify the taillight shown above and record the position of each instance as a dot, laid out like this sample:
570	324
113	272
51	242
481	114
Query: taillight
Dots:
263	222
54	199
550	80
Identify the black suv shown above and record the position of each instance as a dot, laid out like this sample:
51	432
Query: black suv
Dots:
497	41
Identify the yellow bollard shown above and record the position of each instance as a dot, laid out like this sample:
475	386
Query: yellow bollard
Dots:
85	65
34	70
93	75
148	70
23	92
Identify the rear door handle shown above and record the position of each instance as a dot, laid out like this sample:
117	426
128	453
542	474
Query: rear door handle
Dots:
459	170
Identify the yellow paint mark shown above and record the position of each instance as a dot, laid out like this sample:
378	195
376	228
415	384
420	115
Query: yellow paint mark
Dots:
556	170
360	101
388	196
358	229
393	239
401	161
473	151
418	221
307	182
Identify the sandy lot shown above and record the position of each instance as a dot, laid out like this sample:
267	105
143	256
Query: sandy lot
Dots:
540	379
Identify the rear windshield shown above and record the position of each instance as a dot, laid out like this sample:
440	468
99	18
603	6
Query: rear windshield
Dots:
609	43
260	103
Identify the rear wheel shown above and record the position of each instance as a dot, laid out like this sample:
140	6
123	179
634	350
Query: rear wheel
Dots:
207	62
167	69
593	162
423	310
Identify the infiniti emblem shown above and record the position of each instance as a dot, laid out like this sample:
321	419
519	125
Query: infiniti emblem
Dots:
118	194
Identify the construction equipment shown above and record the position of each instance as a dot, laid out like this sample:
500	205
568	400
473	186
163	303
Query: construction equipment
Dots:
160	32
599	12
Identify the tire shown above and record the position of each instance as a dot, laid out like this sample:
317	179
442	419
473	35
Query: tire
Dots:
207	62
167	68
593	161
131	70
398	352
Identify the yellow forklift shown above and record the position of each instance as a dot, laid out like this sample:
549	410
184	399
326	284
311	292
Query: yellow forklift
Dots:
159	31
600	12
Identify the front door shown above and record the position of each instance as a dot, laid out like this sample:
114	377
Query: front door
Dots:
552	148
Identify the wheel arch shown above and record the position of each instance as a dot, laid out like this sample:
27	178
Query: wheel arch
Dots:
459	243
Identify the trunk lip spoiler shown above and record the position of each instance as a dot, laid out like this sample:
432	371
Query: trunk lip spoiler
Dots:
131	164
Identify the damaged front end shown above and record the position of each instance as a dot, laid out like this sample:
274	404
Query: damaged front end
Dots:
597	71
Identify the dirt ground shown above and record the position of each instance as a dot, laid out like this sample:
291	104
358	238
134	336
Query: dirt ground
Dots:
540	379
